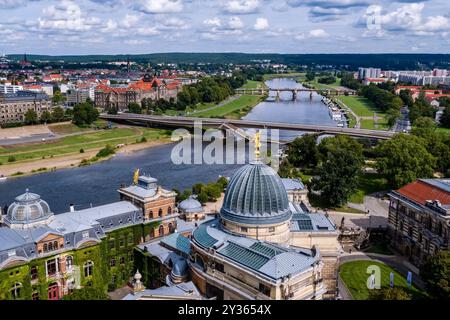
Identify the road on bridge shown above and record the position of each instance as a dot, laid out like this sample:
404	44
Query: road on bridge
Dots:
178	121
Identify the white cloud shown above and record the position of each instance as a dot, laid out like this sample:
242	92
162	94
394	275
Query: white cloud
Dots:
318	33
261	24
66	16
235	23
315	33
129	21
241	6
159	6
213	22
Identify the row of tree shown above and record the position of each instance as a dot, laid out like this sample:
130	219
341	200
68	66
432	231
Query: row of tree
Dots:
337	162
205	192
56	115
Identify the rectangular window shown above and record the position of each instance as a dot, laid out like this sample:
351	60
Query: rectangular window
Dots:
219	267
264	289
51	267
112	244
271	229
244	229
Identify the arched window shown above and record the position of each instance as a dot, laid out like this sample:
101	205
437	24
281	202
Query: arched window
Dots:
45	247
69	262
112	262
169	210
151	214
88	268
161	230
171	229
16	290
33	273
35	296
160	212
50	246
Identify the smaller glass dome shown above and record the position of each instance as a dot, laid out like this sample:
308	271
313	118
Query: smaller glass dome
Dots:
190	205
27	208
180	268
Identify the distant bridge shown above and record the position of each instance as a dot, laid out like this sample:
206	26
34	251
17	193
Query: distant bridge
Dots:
178	122
294	91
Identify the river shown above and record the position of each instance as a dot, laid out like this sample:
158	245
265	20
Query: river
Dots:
97	184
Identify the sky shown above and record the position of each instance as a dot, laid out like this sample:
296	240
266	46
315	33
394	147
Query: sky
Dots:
79	27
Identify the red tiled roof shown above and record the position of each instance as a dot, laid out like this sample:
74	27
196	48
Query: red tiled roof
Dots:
420	191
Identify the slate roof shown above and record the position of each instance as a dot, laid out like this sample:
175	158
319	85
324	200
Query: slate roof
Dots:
269	260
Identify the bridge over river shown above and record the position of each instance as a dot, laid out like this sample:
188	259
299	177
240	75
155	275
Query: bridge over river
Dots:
294	91
189	122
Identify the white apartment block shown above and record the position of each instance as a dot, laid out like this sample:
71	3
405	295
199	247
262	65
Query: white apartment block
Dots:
10	88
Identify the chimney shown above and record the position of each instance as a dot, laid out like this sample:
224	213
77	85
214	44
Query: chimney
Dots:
72	207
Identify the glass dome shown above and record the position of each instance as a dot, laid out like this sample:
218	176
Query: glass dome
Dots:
256	195
27	208
190	205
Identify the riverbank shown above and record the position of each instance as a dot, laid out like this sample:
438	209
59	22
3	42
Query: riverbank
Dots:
235	109
66	156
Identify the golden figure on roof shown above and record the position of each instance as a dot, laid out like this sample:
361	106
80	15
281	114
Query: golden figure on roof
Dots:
257	144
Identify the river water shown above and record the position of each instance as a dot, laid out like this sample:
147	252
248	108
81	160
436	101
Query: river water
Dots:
97	184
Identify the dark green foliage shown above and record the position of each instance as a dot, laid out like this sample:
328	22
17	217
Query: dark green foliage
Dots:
445	118
403	159
134	108
326	79
389	293
349	81
303	151
106	151
382	99
310	75
57	114
88	293
420	108
45	117
338	173
436	274
84	114
31	117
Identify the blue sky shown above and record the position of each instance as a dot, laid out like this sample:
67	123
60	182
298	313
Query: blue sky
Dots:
257	26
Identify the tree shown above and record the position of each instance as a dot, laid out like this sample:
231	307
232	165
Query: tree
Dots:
202	197
445	118
197	188
303	151
46	116
223	182
435	272
310	75
213	190
392	115
404	159
57	114
31	117
134	108
339	171
84	114
437	143
87	293
389	293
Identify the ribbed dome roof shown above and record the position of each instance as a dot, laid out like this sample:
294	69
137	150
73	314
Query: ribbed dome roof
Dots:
28	208
190	205
256	195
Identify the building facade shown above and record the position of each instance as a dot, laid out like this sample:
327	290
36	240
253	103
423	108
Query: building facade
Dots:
46	256
419	218
108	97
14	106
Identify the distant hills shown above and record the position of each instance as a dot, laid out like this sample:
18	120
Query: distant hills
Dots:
385	61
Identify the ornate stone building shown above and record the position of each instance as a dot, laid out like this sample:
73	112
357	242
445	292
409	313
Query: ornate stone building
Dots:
262	246
47	256
119	97
419	218
14	106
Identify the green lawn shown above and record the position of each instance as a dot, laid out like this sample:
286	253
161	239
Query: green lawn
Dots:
298	75
370	124
251	84
368	184
68	128
319	202
322	86
380	248
243	102
361	106
354	275
72	144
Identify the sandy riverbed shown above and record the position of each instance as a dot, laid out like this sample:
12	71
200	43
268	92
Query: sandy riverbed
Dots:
69	160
